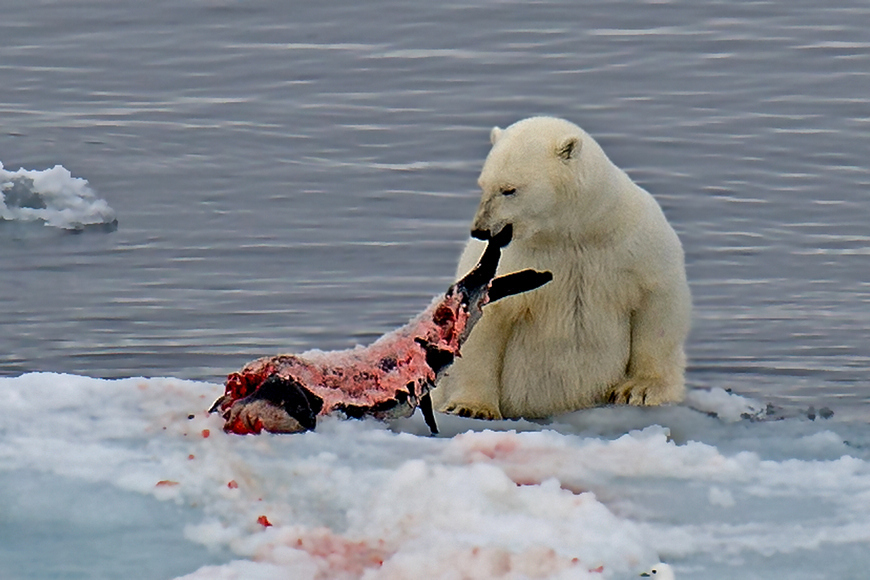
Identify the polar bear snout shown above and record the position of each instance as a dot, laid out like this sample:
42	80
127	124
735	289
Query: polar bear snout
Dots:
488	220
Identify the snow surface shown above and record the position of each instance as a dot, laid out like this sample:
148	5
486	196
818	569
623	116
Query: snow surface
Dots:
53	197
131	478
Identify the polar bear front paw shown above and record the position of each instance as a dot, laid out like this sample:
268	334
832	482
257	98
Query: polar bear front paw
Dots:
641	392
472	411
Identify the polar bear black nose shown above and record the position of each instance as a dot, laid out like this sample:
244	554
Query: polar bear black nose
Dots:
480	234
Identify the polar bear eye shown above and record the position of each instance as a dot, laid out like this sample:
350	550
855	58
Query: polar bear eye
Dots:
508	191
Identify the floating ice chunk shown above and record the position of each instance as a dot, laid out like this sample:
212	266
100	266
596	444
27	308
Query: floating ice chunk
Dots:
725	405
54	197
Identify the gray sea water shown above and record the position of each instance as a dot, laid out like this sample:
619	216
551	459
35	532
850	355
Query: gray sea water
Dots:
291	175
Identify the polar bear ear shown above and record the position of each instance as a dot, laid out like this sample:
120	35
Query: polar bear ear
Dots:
494	135
569	148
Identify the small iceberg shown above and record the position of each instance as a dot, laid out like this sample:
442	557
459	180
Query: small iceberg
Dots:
53	197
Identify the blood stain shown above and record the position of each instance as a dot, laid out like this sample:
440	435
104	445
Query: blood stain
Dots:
264	521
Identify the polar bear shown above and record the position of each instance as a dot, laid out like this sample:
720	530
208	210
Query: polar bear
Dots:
611	325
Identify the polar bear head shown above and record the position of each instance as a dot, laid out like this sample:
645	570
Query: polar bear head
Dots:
537	177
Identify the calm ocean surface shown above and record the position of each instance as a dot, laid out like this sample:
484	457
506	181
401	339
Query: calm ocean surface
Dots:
297	175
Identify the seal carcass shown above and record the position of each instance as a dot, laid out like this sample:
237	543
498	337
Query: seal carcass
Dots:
388	379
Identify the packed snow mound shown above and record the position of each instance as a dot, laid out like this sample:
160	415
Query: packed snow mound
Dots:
602	493
54	197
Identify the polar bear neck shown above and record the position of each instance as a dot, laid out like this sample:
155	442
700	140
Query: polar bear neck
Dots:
605	205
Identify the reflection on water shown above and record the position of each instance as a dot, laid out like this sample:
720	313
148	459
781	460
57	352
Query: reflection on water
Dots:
290	177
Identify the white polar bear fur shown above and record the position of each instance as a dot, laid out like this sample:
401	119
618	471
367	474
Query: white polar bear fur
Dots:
611	325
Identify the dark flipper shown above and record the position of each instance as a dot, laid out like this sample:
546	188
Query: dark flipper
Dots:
428	414
293	398
517	283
